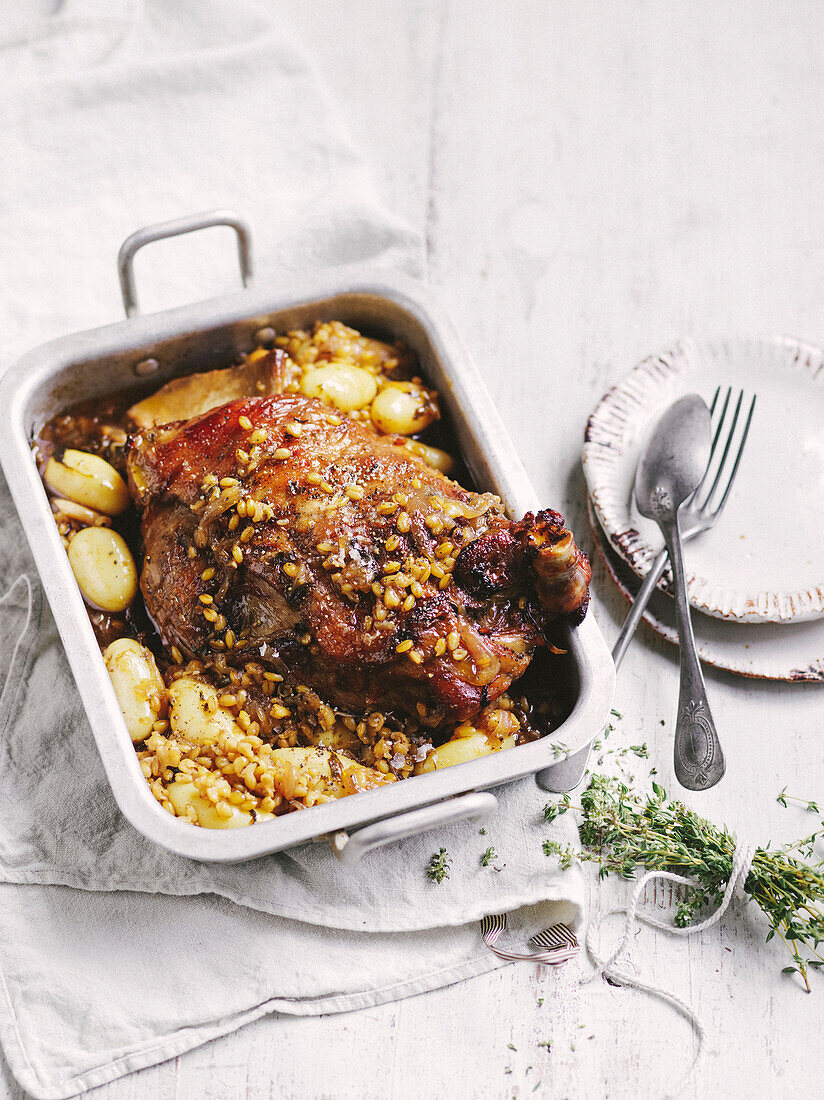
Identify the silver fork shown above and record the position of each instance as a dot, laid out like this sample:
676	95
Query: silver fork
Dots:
699	512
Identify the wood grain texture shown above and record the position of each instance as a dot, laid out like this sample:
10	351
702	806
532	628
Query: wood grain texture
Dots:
593	180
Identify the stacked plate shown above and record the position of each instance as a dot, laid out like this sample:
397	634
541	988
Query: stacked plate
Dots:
756	580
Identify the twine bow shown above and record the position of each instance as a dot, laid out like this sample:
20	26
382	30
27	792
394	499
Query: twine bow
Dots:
610	968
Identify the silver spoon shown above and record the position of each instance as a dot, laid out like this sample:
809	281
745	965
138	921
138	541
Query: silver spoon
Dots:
671	467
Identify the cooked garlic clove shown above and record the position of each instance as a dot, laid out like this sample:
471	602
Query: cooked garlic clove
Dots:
402	408
137	684
89	480
432	456
78	513
103	568
339	384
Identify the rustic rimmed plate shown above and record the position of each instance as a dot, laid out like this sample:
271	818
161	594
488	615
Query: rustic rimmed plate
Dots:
764	561
768	652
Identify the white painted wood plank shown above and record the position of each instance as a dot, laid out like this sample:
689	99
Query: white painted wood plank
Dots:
379	63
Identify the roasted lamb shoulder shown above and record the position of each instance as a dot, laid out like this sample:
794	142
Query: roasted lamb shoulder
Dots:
276	530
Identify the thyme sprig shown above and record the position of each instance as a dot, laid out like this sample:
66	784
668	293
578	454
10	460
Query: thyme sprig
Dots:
806	803
438	867
622	830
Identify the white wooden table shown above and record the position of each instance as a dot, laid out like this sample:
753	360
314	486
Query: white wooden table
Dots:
593	180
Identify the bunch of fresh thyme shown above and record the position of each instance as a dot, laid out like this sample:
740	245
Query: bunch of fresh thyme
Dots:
622	830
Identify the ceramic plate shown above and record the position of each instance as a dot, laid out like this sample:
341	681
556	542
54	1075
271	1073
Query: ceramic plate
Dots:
764	561
771	651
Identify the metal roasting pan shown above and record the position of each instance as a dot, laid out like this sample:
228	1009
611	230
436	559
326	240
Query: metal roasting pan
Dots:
213	333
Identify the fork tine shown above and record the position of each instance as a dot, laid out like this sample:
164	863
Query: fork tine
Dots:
730	435
715	438
734	470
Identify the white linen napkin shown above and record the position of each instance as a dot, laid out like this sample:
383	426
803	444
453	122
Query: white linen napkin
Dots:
114	115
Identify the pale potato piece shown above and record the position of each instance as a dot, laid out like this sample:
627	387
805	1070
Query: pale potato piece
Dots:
339	738
137	684
183	793
312	766
104	568
261	374
189	713
461	749
88	480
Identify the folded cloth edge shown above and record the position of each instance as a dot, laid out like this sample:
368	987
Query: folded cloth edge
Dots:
571	891
164	1048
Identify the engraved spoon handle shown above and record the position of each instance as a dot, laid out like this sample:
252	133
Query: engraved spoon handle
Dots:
699	759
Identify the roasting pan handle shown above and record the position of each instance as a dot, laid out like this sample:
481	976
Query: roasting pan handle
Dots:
176	228
477	807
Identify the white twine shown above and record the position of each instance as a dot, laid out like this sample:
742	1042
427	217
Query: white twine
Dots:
610	968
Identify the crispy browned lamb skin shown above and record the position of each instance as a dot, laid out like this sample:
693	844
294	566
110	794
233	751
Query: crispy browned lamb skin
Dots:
342	558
